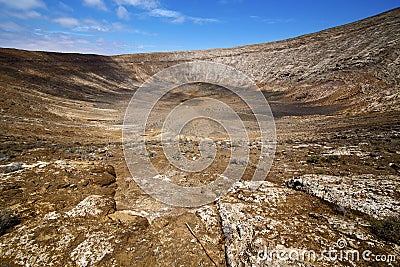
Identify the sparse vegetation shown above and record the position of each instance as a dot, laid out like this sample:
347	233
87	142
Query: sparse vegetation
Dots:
8	219
315	159
339	209
388	229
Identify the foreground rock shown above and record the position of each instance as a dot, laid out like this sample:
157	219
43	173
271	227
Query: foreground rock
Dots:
67	218
46	241
276	226
370	194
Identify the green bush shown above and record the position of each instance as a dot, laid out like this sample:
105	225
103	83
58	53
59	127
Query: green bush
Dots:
7	220
315	159
387	229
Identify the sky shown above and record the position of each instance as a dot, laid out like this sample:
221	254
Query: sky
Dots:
111	27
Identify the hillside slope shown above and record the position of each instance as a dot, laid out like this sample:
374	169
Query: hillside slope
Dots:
355	65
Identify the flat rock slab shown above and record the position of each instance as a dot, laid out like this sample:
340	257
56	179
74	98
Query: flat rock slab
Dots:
374	195
260	224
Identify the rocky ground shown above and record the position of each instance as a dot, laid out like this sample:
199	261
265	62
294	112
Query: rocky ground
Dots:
78	205
68	198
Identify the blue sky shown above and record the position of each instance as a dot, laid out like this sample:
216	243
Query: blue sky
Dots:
133	26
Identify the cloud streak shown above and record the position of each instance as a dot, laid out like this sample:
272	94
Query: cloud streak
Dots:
89	25
58	42
23	4
95	3
25	14
164	13
154	10
122	13
145	4
177	17
66	42
67	22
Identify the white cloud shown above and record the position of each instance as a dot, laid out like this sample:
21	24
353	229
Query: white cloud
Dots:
122	13
164	13
116	26
73	35
10	26
23	4
95	3
71	42
154	11
91	25
65	6
86	25
203	20
57	42
146	4
178	17
179	20
25	15
67	22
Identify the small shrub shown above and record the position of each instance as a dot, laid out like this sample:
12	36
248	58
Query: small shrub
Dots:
315	159
7	220
332	158
341	210
387	229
